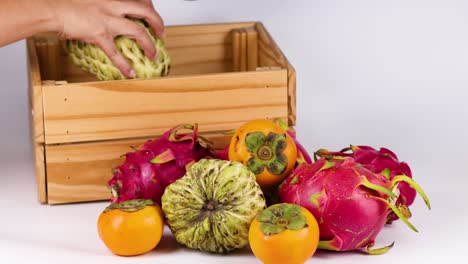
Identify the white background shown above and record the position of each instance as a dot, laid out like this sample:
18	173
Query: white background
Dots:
379	73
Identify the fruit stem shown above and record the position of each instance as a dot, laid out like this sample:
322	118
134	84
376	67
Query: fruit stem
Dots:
264	153
283	222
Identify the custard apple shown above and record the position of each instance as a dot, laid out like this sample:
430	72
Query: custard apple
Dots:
92	59
212	206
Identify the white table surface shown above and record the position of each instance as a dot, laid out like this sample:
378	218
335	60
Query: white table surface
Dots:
380	73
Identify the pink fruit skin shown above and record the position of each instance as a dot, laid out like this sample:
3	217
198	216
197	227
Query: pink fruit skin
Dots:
223	154
349	216
377	161
302	154
139	178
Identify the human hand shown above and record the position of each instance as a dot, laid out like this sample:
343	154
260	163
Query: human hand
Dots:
100	21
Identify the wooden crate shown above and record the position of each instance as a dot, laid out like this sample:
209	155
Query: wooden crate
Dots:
222	75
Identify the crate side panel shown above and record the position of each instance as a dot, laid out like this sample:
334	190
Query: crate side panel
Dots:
270	55
141	108
79	172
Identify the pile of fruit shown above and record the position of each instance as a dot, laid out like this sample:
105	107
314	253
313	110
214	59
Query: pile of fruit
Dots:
263	190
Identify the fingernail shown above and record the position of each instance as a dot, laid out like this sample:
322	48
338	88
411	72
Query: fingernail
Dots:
132	74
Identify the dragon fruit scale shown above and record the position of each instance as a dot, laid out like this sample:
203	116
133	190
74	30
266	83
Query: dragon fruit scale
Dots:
147	171
382	161
350	202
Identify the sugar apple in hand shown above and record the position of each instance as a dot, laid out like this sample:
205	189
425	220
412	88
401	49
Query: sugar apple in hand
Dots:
92	59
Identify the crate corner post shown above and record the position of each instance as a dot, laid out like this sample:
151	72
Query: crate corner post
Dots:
36	120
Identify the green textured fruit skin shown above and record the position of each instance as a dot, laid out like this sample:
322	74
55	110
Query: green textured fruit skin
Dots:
92	59
231	188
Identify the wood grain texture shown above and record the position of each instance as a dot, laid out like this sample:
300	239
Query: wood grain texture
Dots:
291	95
175	41
236	52
197	29
79	172
36	120
252	49
76	75
140	108
243	50
270	55
199	54
48	51
54	58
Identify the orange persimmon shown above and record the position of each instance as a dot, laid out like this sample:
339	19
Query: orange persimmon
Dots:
284	233
266	149
132	227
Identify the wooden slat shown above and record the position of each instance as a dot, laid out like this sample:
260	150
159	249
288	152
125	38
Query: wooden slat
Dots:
197	54
200	68
291	95
79	172
140	108
36	120
185	30
74	74
270	55
236	50
252	49
48	51
243	50
207	39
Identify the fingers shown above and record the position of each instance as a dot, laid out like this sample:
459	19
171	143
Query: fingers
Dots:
106	43
142	9
138	33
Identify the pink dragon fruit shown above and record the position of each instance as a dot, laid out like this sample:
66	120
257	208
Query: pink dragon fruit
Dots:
148	170
380	161
350	202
